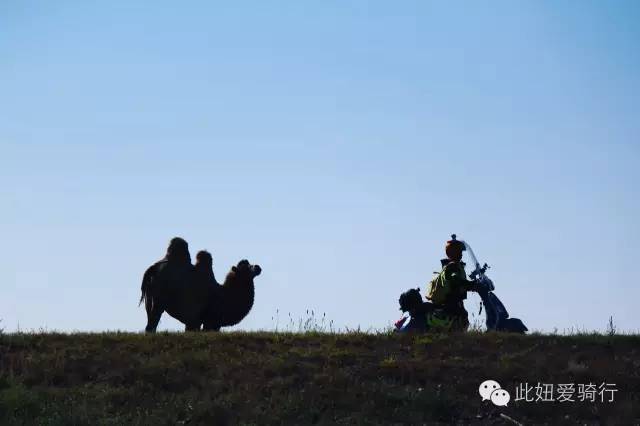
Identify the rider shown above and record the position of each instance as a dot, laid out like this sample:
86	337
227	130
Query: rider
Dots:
448	290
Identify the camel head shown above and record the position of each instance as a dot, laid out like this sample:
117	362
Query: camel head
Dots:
245	271
235	297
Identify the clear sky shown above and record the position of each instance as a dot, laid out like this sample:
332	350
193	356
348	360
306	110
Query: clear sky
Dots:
337	144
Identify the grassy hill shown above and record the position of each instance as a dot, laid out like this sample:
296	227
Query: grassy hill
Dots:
276	378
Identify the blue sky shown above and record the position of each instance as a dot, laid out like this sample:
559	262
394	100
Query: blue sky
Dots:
338	144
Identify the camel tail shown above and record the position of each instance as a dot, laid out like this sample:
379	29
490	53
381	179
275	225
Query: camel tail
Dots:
144	289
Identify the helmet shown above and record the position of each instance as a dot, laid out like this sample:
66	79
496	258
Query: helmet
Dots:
454	249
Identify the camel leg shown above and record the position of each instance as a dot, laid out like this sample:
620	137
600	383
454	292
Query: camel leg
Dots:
153	318
192	327
210	326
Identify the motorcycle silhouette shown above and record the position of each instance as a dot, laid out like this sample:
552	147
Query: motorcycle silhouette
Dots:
496	315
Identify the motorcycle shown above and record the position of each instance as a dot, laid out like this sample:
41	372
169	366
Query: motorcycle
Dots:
496	315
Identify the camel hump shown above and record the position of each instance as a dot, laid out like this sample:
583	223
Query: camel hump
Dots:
172	275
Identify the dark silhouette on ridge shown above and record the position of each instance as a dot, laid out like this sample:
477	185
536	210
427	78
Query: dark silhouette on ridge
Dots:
192	295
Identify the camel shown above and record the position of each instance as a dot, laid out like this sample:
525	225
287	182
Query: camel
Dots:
191	295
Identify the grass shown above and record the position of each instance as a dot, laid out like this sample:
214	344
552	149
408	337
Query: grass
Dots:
306	378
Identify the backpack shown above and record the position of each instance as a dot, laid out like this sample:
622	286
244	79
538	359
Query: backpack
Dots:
438	291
